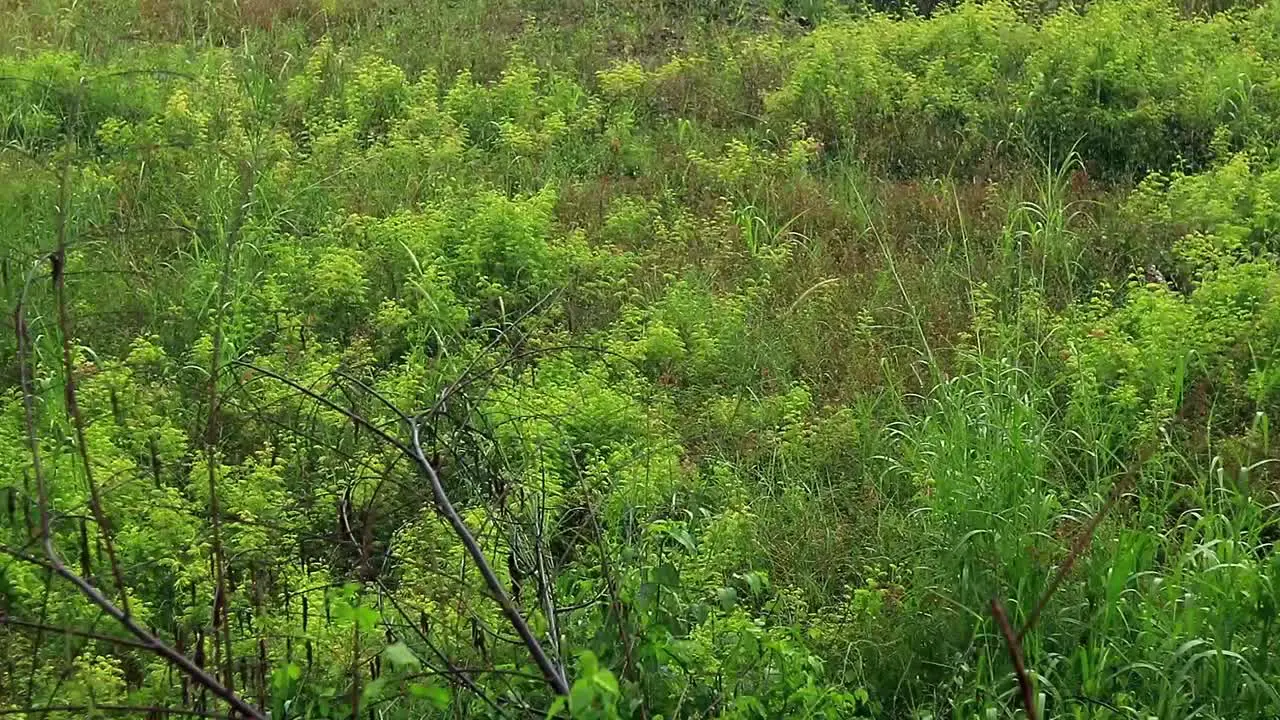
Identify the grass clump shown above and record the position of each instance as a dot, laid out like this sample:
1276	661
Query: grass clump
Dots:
397	360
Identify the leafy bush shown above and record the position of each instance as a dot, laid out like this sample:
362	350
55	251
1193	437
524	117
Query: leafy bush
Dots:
639	360
980	77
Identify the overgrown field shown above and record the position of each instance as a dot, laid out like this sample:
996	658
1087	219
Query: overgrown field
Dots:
401	359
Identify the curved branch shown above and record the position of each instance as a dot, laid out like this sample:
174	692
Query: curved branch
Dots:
53	562
151	642
354	417
555	678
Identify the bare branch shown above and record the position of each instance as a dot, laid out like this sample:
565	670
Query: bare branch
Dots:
7	620
29	414
326	402
222	597
58	261
1082	542
463	676
44	709
53	561
159	647
1085	537
554	676
1015	654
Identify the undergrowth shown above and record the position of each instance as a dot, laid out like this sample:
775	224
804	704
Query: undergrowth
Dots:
757	346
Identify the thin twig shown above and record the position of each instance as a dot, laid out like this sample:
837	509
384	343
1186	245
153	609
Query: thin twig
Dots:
546	584
58	260
7	620
152	642
222	599
1083	539
326	402
155	709
29	414
1015	654
462	675
53	560
555	678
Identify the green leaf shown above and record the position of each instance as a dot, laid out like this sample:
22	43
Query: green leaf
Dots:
700	611
728	597
588	664
683	537
400	656
581	696
283	678
755	582
438	696
666	574
366	618
372	691
606	681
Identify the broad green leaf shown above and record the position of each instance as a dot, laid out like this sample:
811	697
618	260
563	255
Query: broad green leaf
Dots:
372	690
581	695
666	574
400	656
607	681
438	696
682	536
755	582
366	618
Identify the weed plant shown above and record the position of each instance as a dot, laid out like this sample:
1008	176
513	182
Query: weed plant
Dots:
756	346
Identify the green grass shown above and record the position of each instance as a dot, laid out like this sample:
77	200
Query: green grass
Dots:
759	345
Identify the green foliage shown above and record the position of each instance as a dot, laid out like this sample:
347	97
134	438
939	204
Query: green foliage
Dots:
757	345
979	77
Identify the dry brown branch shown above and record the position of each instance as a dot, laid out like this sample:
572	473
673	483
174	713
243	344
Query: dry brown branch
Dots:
58	261
54	563
1082	541
1015	654
159	647
554	676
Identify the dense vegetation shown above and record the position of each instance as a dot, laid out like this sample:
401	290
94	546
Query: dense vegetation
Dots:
758	345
